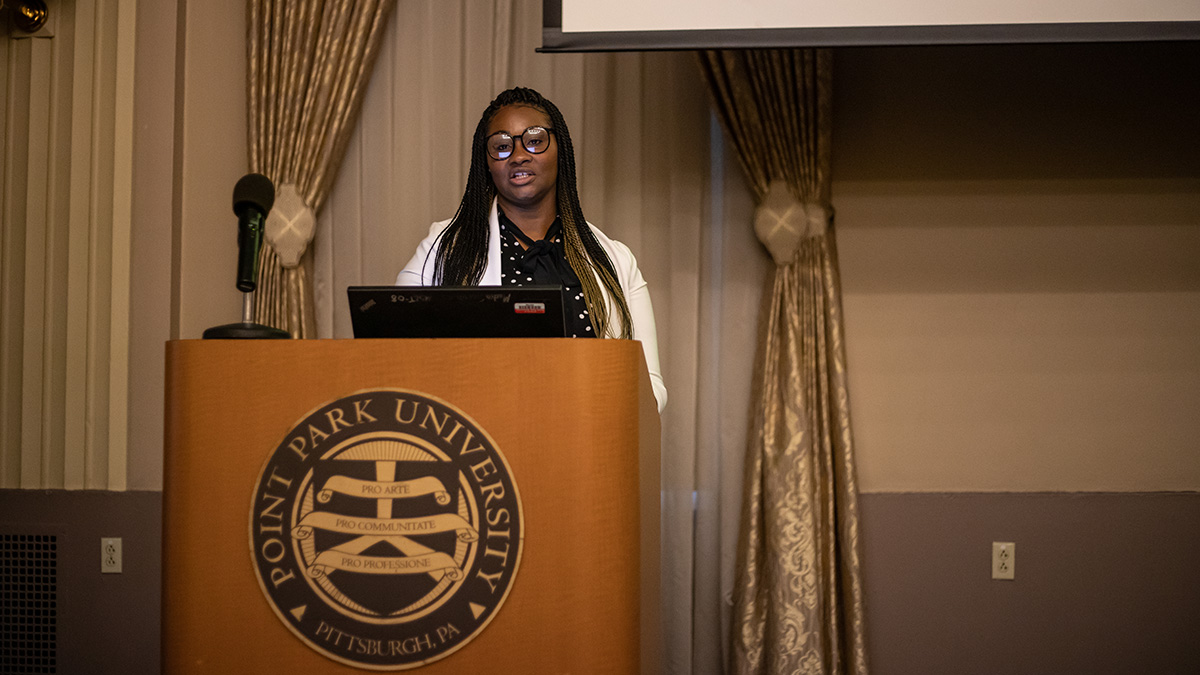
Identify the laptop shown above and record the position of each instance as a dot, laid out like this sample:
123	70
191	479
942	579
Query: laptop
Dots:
456	311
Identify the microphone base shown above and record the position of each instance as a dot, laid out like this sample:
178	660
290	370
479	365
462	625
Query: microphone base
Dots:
246	331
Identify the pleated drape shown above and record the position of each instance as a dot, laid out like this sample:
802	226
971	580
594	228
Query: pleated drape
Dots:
798	595
309	65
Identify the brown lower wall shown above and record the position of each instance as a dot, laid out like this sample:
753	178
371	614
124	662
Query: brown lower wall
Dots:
106	623
1105	583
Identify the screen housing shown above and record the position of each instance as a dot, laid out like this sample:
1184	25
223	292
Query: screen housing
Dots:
555	39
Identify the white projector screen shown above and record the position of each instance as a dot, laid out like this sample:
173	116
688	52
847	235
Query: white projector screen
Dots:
596	25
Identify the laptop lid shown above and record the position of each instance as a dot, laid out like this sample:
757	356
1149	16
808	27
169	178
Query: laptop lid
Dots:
456	311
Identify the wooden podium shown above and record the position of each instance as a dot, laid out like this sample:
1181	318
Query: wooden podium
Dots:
575	422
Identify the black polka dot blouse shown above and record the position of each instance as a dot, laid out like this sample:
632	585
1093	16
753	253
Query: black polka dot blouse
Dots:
543	263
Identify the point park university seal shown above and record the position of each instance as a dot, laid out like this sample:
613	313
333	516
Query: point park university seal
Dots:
386	529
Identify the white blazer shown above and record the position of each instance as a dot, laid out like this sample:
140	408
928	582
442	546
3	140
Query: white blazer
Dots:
419	272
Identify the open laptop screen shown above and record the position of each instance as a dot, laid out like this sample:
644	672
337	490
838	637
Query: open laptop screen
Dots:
456	311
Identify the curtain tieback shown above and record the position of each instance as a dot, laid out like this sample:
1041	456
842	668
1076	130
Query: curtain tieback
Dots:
290	225
782	222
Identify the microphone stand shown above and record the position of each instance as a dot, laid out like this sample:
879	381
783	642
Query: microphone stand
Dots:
253	197
247	329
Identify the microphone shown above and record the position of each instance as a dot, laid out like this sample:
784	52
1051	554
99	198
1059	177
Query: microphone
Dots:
253	197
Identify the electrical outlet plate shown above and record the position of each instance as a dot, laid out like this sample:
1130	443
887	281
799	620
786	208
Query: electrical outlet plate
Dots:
1004	560
110	555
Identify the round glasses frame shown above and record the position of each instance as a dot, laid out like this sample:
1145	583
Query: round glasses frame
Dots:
528	145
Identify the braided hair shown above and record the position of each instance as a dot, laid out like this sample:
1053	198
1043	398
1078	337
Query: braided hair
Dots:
462	253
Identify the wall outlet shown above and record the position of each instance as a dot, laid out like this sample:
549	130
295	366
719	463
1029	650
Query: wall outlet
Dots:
110	555
1004	560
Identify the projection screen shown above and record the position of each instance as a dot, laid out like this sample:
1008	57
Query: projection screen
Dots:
605	25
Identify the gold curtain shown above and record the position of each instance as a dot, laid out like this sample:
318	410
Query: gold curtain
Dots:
798	604
309	64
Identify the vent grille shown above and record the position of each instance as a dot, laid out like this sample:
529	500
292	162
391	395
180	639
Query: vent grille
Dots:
28	603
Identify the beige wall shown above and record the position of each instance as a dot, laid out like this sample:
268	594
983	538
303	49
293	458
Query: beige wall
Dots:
212	156
1019	233
190	150
1017	226
152	239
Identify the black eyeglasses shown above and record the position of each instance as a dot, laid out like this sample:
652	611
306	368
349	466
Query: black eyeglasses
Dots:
535	140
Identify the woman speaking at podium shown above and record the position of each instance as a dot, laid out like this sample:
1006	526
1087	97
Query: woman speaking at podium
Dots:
520	222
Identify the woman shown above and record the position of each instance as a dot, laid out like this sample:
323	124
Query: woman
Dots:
520	222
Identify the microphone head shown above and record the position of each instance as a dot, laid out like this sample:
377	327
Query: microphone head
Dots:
255	191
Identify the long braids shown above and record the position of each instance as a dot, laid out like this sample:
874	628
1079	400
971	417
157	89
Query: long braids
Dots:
462	253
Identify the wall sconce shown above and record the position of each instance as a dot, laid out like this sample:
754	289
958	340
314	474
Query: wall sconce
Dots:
27	15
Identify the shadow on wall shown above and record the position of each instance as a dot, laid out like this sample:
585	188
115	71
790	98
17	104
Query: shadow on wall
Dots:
1017	112
1018	168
